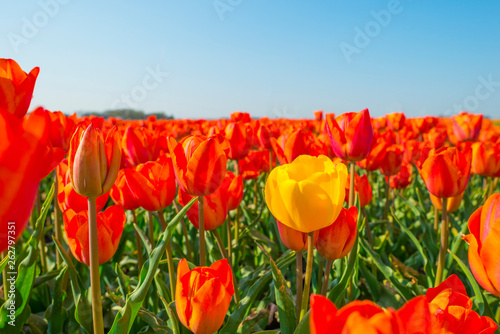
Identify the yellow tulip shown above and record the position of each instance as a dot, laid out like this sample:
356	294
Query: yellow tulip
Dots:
307	194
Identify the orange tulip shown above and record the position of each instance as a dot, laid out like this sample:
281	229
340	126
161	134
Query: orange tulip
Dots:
203	295
396	121
238	139
445	171
109	231
451	310
452	205
234	191
20	155
435	138
485	158
255	163
215	206
93	161
335	241
412	150
403	178
484	251
391	160
199	163
264	136
152	184
363	189
140	146
466	127
68	198
367	317
122	194
16	87
351	135
288	148
293	239
318	115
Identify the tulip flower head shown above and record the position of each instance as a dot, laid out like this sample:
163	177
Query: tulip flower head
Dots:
203	295
336	241
486	158
307	194
466	127
484	261
351	135
93	161
110	225
293	239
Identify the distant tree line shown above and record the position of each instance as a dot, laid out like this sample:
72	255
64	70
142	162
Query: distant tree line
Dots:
128	114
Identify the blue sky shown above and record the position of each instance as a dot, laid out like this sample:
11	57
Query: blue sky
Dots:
278	58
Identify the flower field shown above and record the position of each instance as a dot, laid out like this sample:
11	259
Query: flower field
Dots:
334	224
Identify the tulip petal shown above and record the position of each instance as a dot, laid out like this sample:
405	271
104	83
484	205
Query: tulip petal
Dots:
490	256
322	317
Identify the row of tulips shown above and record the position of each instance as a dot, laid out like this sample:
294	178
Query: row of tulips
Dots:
317	201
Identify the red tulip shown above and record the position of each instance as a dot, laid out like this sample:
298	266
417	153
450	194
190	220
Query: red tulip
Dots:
486	158
293	239
466	127
234	191
255	163
396	121
238	139
199	163
351	135
335	241
16	87
109	231
122	194
403	178
391	160
289	148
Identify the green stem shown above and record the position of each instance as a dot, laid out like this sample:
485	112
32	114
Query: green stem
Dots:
140	260
229	239
436	219
151	228
367	227
298	265
326	277
95	282
201	220
185	232
224	255
4	277
444	243
57	222
351	184
170	258
387	197
307	283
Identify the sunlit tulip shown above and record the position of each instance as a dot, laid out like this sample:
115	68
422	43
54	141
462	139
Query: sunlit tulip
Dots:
396	121
254	164
335	241
109	230
363	189
318	115
234	191
403	178
484	251
68	198
152	184
451	310
445	171
412	150
16	87
452	205
351	135
367	317
391	161
239	116
238	139
93	161
199	163
485	158
139	146
203	295
264	136
308	193
122	194
288	148
466	127
293	239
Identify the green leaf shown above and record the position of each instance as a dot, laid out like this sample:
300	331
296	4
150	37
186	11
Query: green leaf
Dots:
371	281
243	308
427	264
484	308
144	239
303	327
127	314
284	300
24	278
58	313
123	280
387	272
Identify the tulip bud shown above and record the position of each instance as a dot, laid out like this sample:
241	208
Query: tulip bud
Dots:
234	191
335	241
293	239
466	127
203	295
485	158
94	162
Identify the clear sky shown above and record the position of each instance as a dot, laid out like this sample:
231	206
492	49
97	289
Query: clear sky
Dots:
274	58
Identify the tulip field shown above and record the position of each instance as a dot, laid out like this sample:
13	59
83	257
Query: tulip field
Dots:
342	223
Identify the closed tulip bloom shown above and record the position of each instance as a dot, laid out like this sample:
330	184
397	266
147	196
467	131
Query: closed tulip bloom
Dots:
199	163
121	193
293	239
484	252
452	205
363	189
396	121
485	158
264	136
234	191
335	241
16	87
203	295
412	150
466	127
288	148
445	171
403	178
238	139
152	184
109	231
254	164
451	310
139	146
351	135
68	198
307	194
392	159
93	161
435	138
